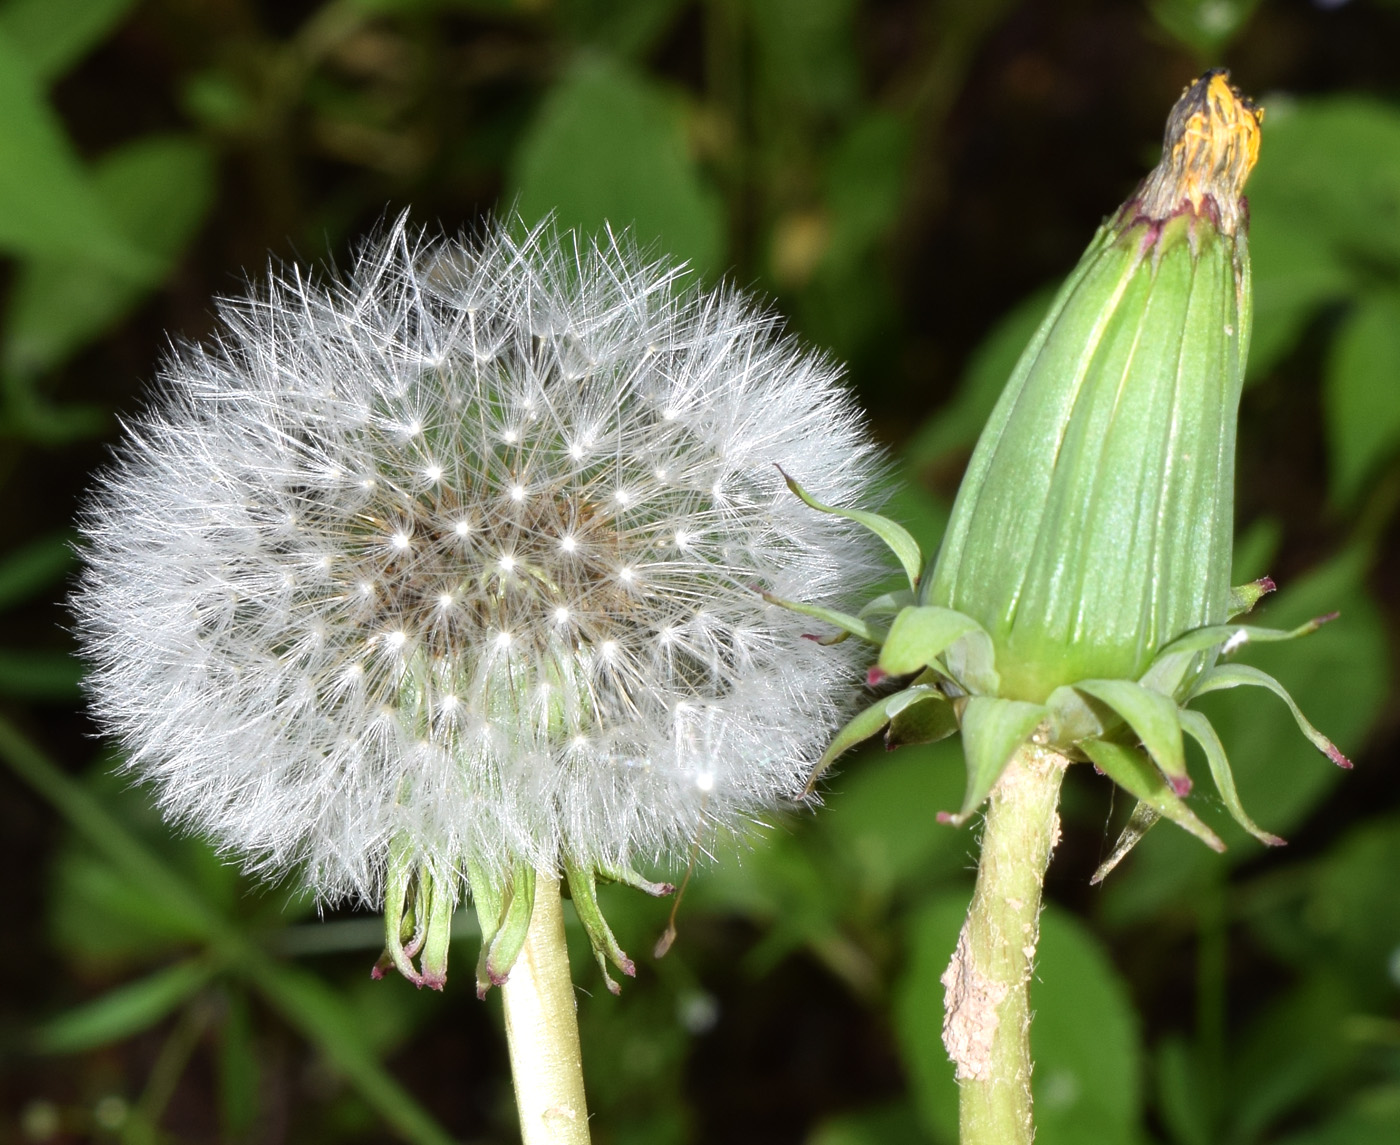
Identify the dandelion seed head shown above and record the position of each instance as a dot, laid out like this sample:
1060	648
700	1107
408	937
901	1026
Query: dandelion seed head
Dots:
412	554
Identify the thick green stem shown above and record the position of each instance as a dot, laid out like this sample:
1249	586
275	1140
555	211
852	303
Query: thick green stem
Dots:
987	1017
542	1029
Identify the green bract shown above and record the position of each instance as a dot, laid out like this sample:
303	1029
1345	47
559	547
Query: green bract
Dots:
1081	594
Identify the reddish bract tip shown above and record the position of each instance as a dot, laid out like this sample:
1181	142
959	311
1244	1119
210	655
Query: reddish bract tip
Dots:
946	817
1274	841
433	982
376	972
812	636
628	967
1266	585
876	676
1181	785
1335	755
1327	618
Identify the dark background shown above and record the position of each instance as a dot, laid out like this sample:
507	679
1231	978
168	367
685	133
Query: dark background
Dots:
903	179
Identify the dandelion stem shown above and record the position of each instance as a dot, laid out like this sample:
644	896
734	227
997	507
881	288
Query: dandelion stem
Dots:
542	1029
987	1019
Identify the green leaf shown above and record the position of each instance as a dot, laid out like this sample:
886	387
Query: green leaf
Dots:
239	1069
1323	212
919	635
895	535
323	1017
1084	1041
52	35
865	189
1134	773
1351	911
127	1010
1153	717
306	1002
96	913
957	425
1199	728
1182	1094
608	146
992	730
47	204
157	191
1361	400
1329	167
27	571
1294	1054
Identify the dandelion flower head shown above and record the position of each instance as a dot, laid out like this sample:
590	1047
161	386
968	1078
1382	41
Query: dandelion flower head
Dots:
461	554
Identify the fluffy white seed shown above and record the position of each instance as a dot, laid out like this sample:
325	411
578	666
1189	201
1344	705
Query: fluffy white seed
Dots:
464	548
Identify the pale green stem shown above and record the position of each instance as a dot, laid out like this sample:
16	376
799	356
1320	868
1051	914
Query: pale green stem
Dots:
987	1017
542	1029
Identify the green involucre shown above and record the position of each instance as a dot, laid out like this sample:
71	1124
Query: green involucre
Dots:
1095	520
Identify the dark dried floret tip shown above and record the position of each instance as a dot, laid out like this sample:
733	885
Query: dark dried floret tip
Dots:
1210	146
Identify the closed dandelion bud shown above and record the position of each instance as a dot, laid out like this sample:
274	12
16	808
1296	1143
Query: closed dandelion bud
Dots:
1095	519
1081	597
443	576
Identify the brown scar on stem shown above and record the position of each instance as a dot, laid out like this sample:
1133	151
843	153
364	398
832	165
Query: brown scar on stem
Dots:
970	1003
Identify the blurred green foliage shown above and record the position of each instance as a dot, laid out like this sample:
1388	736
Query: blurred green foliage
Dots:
150	152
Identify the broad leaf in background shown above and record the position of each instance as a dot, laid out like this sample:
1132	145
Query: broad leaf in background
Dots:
1324	213
607	145
1085	1042
1351	909
157	190
47	203
1361	394
53	35
1296	1050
